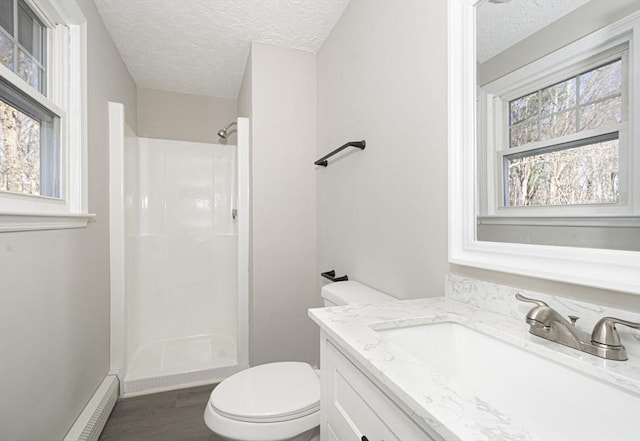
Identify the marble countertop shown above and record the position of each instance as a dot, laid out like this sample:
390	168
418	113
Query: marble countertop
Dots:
429	397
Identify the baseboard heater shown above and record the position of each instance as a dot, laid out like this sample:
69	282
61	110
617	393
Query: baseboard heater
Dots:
91	421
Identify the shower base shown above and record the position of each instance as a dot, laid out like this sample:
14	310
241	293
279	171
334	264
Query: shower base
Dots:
189	361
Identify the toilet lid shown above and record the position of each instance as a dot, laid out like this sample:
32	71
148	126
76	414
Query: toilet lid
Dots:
268	393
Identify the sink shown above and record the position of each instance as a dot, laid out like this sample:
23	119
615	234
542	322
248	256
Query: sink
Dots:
551	401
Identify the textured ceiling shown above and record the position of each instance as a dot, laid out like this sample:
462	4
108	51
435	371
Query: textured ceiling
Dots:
201	46
501	25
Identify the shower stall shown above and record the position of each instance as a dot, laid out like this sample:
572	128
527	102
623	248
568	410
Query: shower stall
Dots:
179	259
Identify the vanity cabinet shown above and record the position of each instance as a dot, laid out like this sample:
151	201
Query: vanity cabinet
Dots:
354	409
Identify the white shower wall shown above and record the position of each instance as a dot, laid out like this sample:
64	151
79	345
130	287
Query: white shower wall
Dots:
181	253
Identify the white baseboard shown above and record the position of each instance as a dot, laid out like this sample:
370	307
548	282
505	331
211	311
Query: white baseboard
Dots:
91	421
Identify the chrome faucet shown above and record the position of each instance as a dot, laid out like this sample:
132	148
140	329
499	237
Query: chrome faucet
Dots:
604	341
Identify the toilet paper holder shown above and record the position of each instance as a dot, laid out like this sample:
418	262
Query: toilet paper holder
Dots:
331	275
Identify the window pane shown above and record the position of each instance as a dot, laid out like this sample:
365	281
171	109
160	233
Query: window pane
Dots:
558	97
551	112
601	82
580	175
558	124
6	15
19	151
30	32
601	114
6	51
29	145
524	133
29	71
523	108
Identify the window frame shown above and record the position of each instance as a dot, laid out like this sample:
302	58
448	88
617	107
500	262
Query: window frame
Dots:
596	49
66	98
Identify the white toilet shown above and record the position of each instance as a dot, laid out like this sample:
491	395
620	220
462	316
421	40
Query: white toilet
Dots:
278	401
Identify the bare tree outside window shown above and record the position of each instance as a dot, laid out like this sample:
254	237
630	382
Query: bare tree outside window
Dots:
581	175
19	151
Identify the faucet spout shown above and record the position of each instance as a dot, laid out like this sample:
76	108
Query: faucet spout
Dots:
544	315
564	333
547	323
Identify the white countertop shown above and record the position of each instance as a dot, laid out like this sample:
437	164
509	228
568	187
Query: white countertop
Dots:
430	397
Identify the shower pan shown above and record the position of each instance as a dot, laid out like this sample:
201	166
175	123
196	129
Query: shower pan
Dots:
182	315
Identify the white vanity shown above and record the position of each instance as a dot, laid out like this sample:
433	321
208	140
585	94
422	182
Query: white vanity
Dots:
355	407
464	367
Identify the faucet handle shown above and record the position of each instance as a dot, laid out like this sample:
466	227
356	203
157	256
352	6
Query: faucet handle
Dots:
530	300
605	332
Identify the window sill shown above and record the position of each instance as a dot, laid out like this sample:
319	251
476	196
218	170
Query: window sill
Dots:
563	221
11	222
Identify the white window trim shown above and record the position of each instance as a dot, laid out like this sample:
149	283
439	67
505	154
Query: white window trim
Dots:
25	212
609	269
605	45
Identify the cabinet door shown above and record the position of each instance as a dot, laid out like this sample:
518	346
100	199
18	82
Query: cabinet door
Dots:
355	407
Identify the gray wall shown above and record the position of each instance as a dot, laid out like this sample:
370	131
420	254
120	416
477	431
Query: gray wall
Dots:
279	94
245	95
608	238
184	117
54	285
382	212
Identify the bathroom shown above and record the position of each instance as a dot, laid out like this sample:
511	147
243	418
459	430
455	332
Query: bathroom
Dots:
383	215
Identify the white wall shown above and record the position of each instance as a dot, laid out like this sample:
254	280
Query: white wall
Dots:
279	94
245	109
54	285
184	117
382	212
130	337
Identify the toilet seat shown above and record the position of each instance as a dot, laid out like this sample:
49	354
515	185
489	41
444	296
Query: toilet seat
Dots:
273	392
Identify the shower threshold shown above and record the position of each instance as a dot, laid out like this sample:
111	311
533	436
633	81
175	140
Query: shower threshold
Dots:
189	361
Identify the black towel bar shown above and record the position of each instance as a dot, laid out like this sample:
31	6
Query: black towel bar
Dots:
331	275
357	144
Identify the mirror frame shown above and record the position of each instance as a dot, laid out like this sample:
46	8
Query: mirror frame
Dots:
609	269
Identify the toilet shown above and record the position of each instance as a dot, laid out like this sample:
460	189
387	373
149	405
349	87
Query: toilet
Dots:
278	401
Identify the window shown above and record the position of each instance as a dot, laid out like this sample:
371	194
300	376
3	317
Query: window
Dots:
555	137
42	122
552	167
29	132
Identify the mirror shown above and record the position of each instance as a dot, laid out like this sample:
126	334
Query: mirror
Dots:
527	101
567	183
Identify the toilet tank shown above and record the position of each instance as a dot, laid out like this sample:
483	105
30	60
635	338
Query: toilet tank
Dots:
351	292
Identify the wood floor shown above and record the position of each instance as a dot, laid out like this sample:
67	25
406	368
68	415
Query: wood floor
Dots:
167	416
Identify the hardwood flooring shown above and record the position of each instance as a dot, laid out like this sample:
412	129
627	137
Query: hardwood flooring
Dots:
167	416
